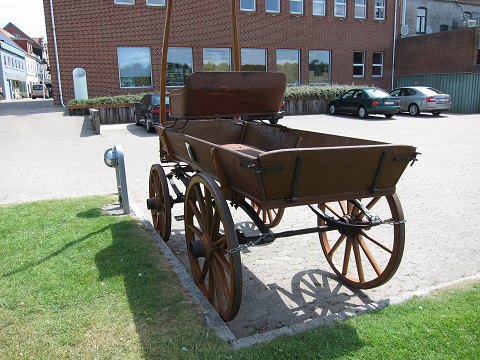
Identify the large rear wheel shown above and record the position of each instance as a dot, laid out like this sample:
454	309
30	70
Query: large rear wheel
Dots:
160	203
212	246
368	257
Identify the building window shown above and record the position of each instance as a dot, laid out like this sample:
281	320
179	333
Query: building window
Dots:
467	15
124	2
379	9
179	65
254	60
421	20
377	64
216	59
288	62
272	6
318	7
156	2
360	9
358	63
296	6
319	66
443	27
134	67
340	8
247	5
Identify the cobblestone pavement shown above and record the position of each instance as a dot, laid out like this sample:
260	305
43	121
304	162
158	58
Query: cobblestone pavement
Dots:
46	154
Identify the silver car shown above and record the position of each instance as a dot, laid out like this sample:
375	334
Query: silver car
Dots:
417	99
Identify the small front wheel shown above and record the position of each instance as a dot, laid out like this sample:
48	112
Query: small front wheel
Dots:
160	203
270	217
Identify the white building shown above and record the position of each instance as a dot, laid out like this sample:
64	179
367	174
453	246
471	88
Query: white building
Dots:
13	68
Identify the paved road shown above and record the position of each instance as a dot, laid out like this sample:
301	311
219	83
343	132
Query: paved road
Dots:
46	154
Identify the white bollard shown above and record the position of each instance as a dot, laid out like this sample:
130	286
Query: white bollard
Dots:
113	157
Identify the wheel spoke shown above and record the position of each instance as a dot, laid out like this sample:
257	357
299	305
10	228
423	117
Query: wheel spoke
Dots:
342	206
376	242
331	210
204	273
221	259
211	283
215	226
197	214
346	257
217	243
201	205
358	259
369	255
337	244
195	230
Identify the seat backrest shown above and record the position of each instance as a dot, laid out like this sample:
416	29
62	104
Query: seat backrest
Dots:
216	94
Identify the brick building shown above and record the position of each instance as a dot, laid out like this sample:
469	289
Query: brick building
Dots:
118	42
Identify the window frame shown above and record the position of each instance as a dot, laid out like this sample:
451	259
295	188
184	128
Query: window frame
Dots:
191	64
265	52
124	2
319	2
361	6
299	78
362	65
329	81
119	67
296	1
254	3
377	7
378	65
159	5
229	59
340	3
279	5
419	23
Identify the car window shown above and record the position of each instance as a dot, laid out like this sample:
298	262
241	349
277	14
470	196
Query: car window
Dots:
376	93
395	92
348	95
431	91
37	87
410	92
156	100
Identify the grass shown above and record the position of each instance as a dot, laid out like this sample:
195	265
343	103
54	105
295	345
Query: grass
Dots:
76	283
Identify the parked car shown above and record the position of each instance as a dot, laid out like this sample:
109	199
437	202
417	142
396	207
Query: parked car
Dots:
40	91
417	99
364	102
147	111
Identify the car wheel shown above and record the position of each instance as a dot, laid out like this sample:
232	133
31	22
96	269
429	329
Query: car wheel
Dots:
436	113
332	109
414	110
388	116
362	112
136	119
149	125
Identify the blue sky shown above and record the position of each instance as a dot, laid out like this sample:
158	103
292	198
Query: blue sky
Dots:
28	15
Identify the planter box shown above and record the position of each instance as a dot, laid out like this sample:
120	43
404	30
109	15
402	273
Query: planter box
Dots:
108	113
306	107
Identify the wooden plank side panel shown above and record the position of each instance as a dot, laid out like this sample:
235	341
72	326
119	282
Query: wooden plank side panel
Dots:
330	171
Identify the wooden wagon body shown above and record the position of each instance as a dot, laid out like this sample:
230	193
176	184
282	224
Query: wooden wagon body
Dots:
276	166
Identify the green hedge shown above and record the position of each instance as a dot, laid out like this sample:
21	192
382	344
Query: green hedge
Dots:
304	92
308	92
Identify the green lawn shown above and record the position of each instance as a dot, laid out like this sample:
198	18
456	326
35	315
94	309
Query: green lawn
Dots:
78	283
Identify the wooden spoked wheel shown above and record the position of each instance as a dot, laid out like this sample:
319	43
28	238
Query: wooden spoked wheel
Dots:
210	237
270	217
368	257
160	202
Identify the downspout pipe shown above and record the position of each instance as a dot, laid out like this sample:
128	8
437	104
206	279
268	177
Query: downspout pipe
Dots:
56	53
394	41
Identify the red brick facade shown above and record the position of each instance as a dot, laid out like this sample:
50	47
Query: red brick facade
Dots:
453	51
89	32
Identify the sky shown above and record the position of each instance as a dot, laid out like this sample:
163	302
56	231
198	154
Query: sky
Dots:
27	15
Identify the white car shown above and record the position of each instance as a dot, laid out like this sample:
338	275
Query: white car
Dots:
40	91
417	99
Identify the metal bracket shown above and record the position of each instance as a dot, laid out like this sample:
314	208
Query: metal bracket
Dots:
374	187
411	158
296	178
258	170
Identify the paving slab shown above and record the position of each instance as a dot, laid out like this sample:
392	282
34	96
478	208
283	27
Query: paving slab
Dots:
46	154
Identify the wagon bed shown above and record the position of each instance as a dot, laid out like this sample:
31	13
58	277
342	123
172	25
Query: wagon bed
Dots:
276	166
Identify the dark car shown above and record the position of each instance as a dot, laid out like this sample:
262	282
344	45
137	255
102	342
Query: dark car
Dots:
50	89
147	111
364	102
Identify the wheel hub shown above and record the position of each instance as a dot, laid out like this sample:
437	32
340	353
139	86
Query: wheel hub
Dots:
348	219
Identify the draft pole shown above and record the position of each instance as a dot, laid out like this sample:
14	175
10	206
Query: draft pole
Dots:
163	72
236	47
